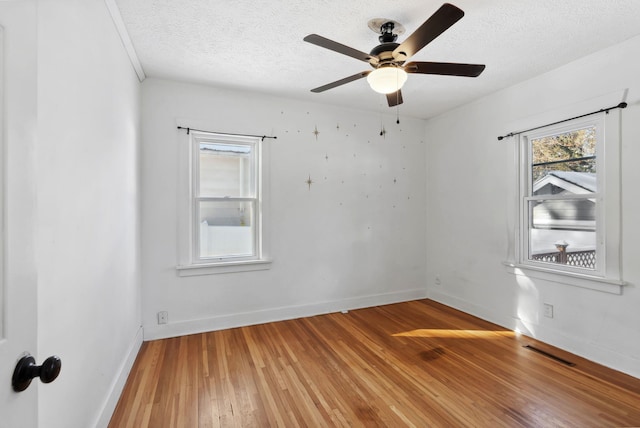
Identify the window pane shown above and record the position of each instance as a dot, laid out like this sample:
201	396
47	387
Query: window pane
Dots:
227	228
563	231
571	155
226	170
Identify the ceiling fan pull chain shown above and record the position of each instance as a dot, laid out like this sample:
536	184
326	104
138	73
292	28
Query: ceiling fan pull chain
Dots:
397	101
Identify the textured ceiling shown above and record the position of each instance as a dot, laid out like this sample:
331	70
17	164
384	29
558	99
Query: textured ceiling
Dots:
257	45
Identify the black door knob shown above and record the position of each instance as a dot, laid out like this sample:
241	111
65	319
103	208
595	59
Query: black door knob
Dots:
26	370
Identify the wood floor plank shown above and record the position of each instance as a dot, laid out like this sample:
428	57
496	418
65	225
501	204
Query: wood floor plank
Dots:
416	364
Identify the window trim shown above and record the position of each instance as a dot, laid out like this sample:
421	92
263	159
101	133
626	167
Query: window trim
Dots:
609	278
189	263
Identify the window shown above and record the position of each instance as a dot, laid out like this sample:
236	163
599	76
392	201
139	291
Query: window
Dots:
569	200
561	202
226	196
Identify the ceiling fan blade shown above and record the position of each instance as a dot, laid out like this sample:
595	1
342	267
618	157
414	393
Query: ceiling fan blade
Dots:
445	68
394	98
442	19
323	42
341	82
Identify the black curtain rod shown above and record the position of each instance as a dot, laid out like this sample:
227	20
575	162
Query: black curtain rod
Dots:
226	133
606	110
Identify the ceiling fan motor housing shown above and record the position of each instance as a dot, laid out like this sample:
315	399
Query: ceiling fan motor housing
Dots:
384	52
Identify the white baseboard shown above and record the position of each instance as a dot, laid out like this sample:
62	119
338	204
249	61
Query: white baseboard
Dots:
593	352
182	328
119	381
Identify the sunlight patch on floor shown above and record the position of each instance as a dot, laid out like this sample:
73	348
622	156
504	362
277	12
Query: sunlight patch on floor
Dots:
457	334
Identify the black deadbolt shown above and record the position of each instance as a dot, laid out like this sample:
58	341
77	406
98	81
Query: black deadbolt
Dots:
26	370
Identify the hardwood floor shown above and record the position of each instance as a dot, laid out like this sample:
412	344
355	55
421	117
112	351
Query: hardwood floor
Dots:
416	364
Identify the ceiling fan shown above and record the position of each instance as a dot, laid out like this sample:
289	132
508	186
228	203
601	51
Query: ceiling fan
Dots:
388	58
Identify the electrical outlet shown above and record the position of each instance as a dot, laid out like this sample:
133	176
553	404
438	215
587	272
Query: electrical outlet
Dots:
548	310
437	280
163	317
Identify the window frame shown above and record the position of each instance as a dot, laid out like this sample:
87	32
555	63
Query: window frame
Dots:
191	263
608	278
527	194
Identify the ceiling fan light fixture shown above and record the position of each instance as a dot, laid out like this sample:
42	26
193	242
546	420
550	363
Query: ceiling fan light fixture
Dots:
387	80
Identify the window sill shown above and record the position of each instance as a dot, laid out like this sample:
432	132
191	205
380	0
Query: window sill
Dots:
605	285
223	267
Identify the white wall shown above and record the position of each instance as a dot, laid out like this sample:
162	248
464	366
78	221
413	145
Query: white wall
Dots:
468	168
355	238
87	210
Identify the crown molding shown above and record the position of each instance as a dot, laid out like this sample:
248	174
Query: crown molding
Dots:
124	36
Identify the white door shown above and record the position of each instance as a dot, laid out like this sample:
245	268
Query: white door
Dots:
18	279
